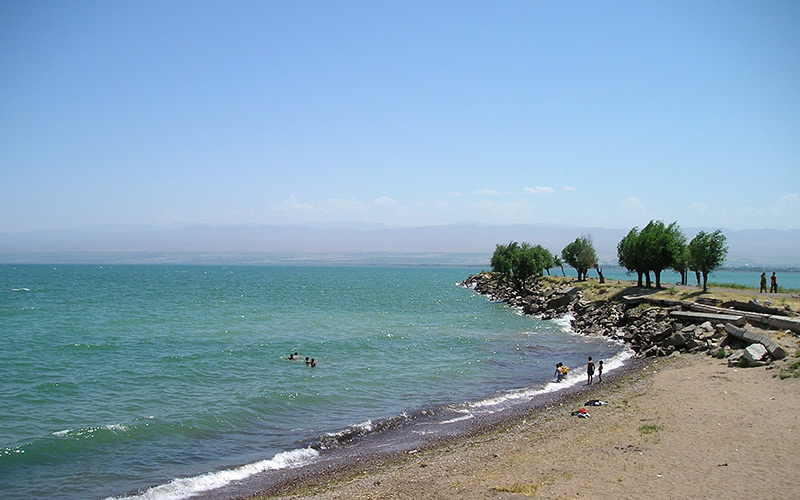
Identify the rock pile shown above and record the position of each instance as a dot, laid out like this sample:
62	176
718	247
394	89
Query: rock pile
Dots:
650	330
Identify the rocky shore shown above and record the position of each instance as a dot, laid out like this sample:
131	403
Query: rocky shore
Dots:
652	327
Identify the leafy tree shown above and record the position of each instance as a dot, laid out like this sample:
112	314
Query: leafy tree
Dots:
544	258
502	258
581	255
681	264
524	265
518	263
557	262
660	246
707	251
632	257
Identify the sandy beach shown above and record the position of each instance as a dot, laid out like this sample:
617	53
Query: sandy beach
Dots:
683	427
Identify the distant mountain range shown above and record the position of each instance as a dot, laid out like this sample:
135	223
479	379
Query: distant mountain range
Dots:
457	244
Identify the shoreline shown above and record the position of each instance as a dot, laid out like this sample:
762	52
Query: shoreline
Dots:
367	473
685	426
372	454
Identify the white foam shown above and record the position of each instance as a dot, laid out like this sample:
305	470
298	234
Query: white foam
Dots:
87	431
181	488
458	419
564	322
575	377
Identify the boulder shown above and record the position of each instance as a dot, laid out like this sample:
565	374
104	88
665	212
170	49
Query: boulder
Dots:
735	356
751	337
677	340
559	302
754	354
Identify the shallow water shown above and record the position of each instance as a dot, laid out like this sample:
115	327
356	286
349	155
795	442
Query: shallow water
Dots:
120	379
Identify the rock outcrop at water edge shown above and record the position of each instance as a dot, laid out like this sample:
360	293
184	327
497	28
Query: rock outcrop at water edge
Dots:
651	327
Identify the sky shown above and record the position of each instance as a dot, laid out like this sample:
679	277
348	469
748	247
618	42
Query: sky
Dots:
594	114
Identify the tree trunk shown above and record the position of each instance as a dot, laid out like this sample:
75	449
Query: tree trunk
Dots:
697	275
639	281
600	274
705	281
658	278
647	281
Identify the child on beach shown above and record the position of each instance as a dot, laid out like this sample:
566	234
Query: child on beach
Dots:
561	372
600	371
590	371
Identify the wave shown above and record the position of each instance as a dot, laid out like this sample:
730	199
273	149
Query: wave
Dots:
575	377
62	443
181	488
349	434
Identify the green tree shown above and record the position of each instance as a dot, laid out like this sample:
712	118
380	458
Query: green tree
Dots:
631	256
581	255
557	262
707	251
660	246
520	262
502	258
544	258
681	264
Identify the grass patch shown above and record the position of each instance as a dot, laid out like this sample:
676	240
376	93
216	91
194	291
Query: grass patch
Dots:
528	490
735	286
791	371
649	429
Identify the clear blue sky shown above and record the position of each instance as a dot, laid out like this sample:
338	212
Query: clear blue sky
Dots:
401	113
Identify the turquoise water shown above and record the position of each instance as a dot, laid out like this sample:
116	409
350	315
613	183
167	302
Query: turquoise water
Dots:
786	279
117	380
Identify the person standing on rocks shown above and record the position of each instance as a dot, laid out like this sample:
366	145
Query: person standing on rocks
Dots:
763	288
590	371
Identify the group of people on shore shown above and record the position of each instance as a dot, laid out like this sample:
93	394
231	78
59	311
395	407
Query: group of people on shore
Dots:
310	362
773	283
562	370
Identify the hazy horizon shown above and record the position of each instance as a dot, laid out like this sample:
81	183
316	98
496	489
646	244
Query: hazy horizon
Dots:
347	243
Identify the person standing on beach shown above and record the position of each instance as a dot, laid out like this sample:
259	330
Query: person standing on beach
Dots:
773	286
600	371
763	288
590	371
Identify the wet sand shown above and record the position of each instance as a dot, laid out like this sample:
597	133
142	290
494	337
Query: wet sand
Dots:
684	427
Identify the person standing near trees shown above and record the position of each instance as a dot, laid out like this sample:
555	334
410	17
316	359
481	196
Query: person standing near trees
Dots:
773	284
763	288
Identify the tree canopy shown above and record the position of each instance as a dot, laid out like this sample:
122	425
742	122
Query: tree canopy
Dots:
658	247
581	255
654	248
707	251
632	257
520	262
